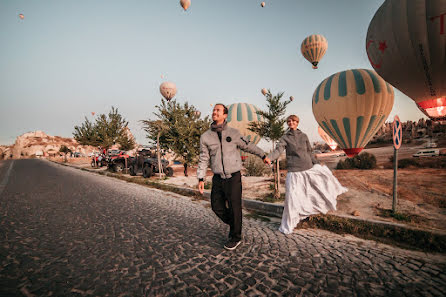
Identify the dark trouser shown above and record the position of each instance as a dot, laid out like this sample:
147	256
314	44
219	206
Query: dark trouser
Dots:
226	201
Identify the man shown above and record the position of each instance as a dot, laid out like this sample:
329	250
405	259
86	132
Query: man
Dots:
220	145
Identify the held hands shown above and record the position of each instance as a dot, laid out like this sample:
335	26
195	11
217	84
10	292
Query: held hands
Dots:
201	187
267	161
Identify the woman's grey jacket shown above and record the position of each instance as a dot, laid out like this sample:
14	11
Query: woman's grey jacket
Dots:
299	155
224	155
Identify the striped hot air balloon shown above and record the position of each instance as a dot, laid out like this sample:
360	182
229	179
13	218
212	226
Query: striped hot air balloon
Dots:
313	48
328	140
351	106
406	42
239	117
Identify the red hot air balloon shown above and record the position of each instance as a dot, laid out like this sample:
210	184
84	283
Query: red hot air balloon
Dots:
406	46
21	16
92	113
185	4
168	90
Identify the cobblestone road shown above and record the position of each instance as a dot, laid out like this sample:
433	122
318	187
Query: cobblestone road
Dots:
65	232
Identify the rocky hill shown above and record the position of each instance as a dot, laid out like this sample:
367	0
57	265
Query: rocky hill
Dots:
412	130
39	144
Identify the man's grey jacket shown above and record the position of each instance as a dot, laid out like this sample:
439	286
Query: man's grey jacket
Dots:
224	155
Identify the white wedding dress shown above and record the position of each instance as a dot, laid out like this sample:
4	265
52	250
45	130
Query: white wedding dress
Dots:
309	192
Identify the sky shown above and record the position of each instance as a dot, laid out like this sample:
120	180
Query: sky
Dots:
66	59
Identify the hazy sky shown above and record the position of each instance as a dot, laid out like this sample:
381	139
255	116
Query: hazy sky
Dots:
66	59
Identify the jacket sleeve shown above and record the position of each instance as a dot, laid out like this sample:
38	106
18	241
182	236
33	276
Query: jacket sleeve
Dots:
203	160
280	147
314	160
250	147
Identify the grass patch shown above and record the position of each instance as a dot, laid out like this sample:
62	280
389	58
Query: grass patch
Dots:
389	234
269	197
207	185
399	216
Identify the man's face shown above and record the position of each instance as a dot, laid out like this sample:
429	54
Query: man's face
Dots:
218	115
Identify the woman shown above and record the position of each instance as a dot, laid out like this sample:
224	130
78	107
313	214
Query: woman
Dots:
310	187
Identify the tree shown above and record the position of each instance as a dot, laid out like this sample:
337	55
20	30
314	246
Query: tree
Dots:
65	150
178	128
105	132
272	128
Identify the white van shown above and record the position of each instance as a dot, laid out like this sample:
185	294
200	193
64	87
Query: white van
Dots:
427	153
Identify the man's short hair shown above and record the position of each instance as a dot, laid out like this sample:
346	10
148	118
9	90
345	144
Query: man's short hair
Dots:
225	109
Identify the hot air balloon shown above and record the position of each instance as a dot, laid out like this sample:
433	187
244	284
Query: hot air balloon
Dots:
239	117
262	4
313	48
351	106
21	16
264	91
291	98
197	113
405	44
168	90
328	140
162	76
92	113
185	4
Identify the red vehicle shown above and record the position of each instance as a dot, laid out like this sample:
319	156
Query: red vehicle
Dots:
118	160
98	160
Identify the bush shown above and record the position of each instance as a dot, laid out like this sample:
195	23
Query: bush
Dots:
255	167
403	163
361	161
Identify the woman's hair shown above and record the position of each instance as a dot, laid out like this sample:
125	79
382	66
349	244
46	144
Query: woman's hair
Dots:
293	117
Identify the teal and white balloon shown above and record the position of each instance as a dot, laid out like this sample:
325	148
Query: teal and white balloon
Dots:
351	106
239	117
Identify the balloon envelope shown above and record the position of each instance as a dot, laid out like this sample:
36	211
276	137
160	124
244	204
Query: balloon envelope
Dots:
168	90
21	16
185	4
291	98
264	91
262	4
92	113
239	117
328	140
313	48
351	106
406	45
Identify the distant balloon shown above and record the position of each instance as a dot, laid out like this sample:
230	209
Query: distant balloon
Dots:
264	91
185	4
262	4
405	44
168	90
328	140
162	76
197	113
291	98
351	106
92	113
239	117
21	16
313	48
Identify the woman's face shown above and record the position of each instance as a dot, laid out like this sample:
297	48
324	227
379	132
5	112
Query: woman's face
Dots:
292	124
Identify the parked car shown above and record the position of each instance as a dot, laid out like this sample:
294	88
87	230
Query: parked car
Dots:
427	153
147	163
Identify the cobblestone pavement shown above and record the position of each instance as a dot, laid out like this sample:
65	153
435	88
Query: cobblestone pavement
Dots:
66	232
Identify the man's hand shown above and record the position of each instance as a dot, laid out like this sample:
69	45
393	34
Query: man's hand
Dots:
267	161
201	187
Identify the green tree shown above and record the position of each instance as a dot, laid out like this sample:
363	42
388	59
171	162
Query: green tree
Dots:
272	128
106	131
178	128
65	150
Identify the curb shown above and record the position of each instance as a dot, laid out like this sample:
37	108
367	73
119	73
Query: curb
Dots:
391	233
